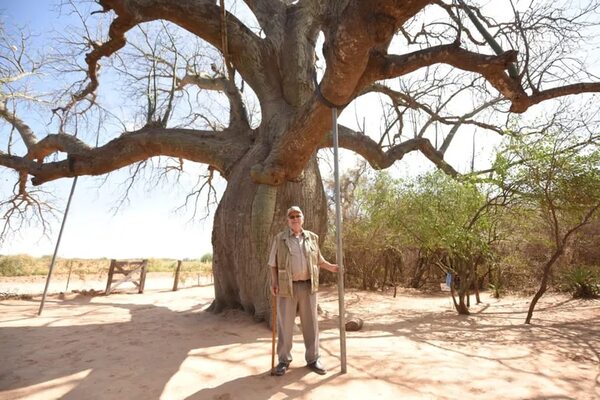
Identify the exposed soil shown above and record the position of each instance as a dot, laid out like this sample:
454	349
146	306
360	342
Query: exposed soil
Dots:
161	344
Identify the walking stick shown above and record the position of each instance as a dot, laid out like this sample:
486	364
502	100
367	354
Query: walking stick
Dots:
273	330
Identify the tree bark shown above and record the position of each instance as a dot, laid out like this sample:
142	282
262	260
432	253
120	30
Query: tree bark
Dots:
247	218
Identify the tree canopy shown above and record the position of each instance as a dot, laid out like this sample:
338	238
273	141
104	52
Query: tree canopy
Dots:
438	67
518	63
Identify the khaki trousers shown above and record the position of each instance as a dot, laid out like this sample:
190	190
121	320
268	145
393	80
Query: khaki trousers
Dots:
306	303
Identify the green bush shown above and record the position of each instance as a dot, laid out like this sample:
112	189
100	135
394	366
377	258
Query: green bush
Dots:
206	258
583	282
18	265
161	265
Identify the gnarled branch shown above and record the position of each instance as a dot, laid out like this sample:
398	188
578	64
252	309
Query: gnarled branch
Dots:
490	67
380	159
218	82
213	148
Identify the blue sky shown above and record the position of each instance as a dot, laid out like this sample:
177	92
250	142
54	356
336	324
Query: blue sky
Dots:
147	227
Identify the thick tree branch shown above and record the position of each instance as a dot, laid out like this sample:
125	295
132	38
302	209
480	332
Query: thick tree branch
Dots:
490	67
379	159
15	162
355	30
203	80
270	14
512	69
290	152
577	88
297	52
213	148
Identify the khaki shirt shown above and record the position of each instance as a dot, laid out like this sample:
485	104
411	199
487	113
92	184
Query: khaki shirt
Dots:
298	260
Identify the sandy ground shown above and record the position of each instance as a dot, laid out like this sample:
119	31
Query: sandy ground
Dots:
162	345
64	283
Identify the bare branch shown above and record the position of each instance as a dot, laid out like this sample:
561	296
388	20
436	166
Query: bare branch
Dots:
116	41
406	100
577	88
379	159
23	209
491	67
218	82
204	182
464	119
205	147
202	18
24	130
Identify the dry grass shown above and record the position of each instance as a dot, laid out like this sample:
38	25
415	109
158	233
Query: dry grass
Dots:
25	265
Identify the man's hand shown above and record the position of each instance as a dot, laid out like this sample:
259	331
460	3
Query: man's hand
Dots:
330	267
274	289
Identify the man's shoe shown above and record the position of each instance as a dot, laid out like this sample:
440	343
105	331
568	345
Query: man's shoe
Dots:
317	367
281	368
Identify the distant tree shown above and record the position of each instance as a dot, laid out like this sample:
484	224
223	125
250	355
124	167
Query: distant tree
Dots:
372	247
556	177
206	258
453	221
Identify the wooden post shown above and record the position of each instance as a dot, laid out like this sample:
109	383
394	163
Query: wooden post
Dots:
111	271
176	282
69	276
143	275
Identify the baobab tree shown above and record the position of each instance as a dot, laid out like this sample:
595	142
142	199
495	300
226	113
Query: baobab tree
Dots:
301	59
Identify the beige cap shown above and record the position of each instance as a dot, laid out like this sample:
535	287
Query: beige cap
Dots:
294	209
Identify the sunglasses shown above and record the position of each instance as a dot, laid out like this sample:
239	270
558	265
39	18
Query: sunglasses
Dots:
295	216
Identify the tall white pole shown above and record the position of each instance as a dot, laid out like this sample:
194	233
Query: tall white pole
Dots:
338	239
62	227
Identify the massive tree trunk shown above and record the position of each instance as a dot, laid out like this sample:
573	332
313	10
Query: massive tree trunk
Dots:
246	219
272	166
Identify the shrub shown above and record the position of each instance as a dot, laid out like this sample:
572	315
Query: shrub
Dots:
17	265
582	282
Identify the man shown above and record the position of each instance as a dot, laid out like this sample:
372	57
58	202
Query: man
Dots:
294	261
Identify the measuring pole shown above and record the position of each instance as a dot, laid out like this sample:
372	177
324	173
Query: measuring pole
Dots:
62	227
338	240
